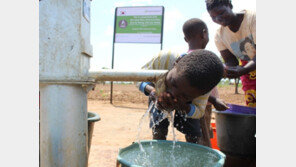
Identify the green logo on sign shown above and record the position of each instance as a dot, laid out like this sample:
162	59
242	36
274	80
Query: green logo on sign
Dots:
150	24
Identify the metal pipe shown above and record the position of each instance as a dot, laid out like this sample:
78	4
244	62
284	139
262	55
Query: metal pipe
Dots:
125	75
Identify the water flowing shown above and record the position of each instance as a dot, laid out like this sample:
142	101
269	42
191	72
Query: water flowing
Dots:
140	126
166	115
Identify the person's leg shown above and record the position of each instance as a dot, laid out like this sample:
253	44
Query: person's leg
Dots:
192	139
208	119
205	123
250	93
189	127
250	97
160	131
158	124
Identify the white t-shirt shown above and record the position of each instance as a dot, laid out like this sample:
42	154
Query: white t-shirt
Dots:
242	43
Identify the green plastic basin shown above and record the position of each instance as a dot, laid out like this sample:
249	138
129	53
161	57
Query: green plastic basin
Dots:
160	153
91	119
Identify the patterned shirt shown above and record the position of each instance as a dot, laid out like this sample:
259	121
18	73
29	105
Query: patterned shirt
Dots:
165	60
242	43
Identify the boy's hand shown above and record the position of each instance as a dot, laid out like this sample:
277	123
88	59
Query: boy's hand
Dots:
152	95
165	101
169	103
220	105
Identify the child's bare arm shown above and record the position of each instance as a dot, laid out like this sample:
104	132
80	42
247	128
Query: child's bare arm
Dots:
229	58
151	91
219	104
233	70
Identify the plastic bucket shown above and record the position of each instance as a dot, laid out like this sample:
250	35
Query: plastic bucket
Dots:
162	153
236	129
91	119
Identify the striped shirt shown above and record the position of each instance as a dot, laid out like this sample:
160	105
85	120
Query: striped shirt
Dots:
165	60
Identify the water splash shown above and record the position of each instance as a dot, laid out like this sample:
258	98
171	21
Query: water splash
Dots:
150	156
172	119
165	115
140	126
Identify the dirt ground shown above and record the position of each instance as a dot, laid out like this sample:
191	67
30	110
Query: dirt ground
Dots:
119	122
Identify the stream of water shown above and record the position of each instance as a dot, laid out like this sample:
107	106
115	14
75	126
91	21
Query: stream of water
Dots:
140	126
167	154
170	117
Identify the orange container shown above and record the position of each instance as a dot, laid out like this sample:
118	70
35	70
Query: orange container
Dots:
214	139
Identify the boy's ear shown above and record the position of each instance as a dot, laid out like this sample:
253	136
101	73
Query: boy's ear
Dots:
204	34
178	59
186	40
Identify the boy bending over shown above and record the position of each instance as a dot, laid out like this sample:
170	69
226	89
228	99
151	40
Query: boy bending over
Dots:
186	89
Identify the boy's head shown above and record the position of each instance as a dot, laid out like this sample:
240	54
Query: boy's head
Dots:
248	48
220	11
195	30
194	75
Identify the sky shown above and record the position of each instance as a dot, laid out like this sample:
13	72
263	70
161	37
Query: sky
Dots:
134	56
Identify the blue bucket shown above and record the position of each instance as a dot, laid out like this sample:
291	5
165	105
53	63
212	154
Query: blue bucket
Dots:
238	109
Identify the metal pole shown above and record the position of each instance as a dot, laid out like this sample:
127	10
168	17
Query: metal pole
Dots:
161	40
112	65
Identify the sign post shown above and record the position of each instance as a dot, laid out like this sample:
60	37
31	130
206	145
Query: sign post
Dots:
141	24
